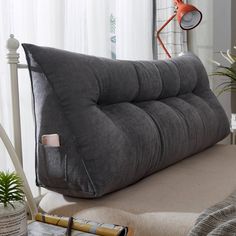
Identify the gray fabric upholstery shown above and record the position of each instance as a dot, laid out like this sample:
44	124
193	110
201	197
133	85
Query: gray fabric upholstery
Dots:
217	220
118	121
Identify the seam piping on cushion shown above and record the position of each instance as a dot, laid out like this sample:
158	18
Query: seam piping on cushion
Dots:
157	128
159	97
89	177
158	71
137	76
175	111
168	65
213	110
34	112
182	114
177	68
27	51
199	64
97	81
71	189
203	100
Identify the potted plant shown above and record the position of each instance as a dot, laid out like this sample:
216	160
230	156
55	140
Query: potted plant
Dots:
228	77
228	73
13	219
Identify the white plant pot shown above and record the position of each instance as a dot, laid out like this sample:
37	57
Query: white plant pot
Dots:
13	221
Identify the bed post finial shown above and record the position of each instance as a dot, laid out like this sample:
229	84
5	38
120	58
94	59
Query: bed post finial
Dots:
12	46
13	59
15	151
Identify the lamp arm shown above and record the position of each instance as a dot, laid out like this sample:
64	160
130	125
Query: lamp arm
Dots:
19	170
159	38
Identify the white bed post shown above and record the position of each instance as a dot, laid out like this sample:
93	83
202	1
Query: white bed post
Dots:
13	59
15	151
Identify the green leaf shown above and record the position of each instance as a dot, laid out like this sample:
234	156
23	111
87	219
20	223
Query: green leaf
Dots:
225	73
11	188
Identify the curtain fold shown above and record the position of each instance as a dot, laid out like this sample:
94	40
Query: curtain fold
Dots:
134	29
107	28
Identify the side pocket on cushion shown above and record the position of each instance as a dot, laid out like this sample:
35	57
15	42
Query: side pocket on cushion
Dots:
52	166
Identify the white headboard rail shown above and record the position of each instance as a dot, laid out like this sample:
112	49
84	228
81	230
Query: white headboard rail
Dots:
13	59
16	151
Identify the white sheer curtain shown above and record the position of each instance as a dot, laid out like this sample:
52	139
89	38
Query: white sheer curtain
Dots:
85	26
134	29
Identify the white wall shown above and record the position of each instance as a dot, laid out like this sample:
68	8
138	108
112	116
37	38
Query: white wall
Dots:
201	38
215	33
222	41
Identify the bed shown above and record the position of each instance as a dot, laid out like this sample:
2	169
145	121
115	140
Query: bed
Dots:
165	203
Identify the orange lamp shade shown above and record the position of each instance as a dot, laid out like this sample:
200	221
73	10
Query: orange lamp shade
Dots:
188	15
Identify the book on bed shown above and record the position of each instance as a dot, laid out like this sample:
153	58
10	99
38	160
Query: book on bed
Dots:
45	224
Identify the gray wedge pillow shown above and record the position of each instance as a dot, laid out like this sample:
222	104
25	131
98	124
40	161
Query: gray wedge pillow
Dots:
118	121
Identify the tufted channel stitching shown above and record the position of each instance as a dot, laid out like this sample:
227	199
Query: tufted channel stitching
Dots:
118	121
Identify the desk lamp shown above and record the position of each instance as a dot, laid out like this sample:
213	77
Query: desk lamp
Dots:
188	17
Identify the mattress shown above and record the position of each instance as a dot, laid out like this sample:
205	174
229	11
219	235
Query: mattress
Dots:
189	186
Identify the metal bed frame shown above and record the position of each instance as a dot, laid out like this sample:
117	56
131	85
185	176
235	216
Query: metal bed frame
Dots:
15	149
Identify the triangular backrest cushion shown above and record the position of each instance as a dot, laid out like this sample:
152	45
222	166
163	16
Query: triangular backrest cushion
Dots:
118	121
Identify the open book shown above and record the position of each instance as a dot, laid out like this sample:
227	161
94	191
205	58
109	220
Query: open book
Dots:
52	225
